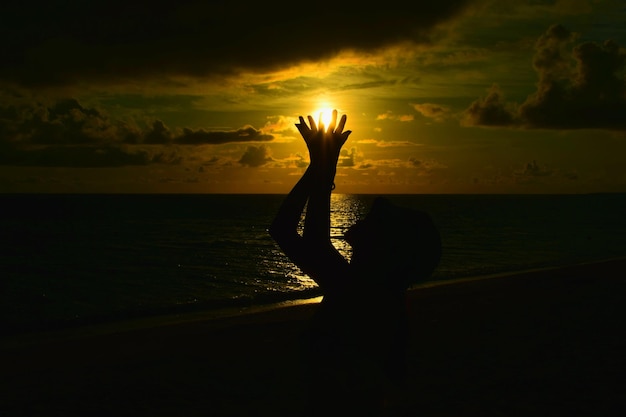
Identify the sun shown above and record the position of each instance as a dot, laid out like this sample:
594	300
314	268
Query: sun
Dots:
324	112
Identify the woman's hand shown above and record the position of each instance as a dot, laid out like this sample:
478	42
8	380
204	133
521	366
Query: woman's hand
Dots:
324	144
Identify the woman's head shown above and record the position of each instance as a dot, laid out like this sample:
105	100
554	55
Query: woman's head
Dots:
398	245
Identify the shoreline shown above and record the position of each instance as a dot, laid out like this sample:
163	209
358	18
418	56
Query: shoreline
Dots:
535	343
73	331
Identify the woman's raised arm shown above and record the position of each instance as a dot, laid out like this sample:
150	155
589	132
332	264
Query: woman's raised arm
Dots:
313	252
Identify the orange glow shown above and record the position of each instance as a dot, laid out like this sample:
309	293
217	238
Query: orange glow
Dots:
323	113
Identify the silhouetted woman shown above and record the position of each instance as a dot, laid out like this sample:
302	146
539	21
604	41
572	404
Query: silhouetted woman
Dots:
356	342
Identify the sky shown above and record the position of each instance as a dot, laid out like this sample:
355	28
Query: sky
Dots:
452	96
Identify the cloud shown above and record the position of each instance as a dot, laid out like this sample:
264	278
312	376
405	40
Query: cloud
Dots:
532	172
115	40
298	161
159	134
491	110
398	117
65	133
203	137
78	156
533	169
65	122
255	156
437	112
579	88
425	167
365	165
387	144
347	158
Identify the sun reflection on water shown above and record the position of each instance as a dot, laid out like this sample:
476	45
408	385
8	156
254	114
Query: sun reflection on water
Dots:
346	209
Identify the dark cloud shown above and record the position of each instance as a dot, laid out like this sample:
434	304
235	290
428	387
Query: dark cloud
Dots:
65	122
300	162
203	137
491	110
533	169
255	156
347	158
53	44
66	133
415	162
532	173
75	156
159	134
365	165
436	112
583	87
425	166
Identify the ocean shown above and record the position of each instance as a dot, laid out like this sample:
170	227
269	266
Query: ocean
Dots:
76	259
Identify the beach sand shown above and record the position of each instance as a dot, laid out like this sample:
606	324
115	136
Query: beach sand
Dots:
539	343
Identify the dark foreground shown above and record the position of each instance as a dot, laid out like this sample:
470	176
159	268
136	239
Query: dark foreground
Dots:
548	343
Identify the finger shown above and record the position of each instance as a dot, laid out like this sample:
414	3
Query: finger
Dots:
302	129
333	121
312	122
344	136
342	124
320	124
302	126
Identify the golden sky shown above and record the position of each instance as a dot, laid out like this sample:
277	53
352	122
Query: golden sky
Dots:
484	96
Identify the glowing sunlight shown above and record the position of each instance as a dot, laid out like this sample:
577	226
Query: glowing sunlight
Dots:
323	113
